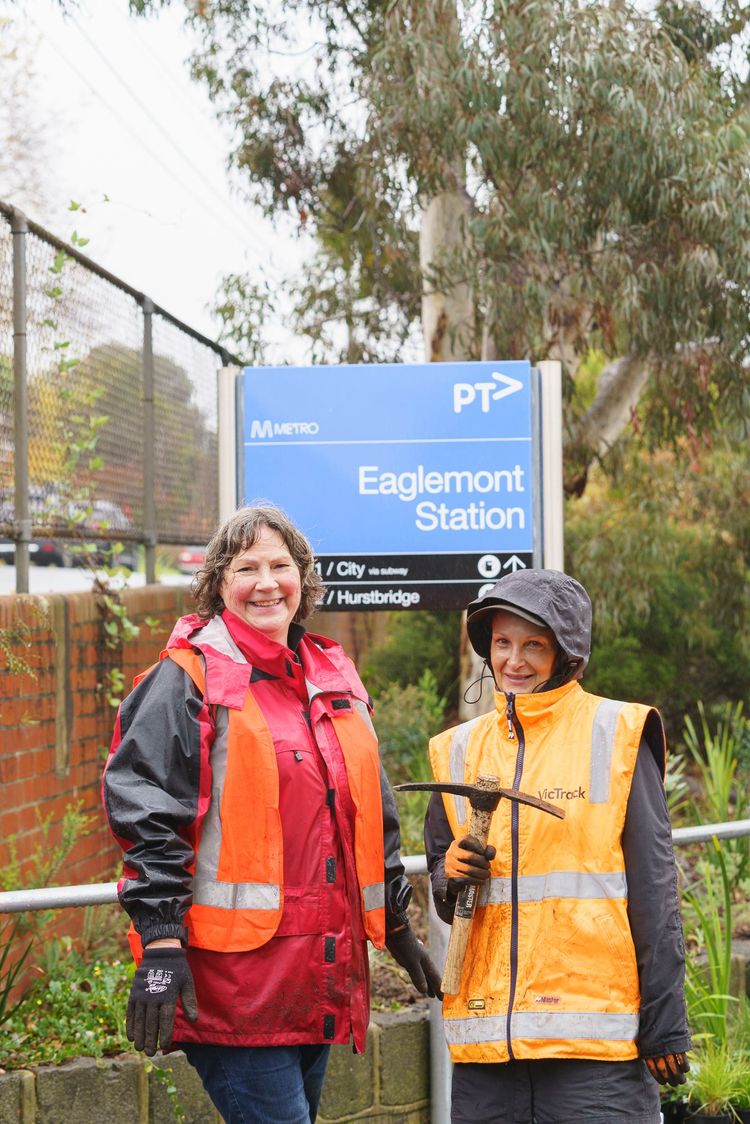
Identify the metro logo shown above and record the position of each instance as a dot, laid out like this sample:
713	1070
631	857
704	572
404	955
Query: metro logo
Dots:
260	430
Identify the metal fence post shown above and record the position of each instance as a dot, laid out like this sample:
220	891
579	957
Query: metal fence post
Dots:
20	228
441	1067
227	433
149	432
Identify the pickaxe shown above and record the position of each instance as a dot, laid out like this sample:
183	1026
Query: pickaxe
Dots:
484	797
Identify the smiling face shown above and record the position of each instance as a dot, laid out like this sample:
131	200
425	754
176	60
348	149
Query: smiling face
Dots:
262	585
522	654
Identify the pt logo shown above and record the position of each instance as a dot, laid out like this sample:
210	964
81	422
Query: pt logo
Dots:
464	393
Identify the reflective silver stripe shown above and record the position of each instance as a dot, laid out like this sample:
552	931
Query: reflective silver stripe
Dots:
238	895
207	889
543	1024
556	884
217	635
363	711
374	896
457	761
602	745
312	690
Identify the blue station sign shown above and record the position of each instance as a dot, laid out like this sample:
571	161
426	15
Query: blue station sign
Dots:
413	482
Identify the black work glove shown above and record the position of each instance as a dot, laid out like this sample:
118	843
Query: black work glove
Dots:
160	978
669	1069
408	951
467	863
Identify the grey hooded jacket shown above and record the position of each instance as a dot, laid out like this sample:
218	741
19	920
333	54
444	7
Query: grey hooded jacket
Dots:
558	601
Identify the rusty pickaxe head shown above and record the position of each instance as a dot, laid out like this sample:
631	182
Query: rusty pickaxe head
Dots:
482	799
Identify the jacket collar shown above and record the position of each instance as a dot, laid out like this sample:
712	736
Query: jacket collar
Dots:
231	648
536	706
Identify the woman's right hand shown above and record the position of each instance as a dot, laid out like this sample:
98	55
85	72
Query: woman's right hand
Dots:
467	863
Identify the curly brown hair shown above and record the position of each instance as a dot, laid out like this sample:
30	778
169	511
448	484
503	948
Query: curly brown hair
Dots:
238	533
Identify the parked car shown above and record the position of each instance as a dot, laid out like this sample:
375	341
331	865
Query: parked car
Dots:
104	516
42	552
47	507
190	559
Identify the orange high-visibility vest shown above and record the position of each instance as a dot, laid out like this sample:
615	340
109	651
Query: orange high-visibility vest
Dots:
238	876
550	970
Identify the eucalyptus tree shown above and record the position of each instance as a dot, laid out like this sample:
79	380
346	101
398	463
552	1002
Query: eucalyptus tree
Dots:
519	177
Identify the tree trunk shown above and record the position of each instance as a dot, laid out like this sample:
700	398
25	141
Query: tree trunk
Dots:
448	328
621	385
447	316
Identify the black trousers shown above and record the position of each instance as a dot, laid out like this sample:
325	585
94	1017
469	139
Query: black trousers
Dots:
552	1091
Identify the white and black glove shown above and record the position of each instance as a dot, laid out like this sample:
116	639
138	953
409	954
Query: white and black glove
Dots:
161	978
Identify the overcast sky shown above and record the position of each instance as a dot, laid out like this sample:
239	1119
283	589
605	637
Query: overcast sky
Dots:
127	124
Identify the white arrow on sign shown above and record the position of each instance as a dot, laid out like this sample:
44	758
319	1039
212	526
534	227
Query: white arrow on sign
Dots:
510	387
515	563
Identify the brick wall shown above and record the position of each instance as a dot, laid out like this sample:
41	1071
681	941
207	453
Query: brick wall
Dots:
55	722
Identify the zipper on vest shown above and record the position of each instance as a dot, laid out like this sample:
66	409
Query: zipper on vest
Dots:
514	724
509	714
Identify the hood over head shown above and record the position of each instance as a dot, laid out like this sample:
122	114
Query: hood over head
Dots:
544	597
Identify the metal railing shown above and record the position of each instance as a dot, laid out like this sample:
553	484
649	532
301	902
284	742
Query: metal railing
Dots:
103	395
105	893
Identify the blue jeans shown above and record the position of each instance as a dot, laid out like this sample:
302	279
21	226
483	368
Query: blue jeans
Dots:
261	1084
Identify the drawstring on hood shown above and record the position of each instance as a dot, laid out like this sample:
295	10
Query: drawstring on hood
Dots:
486	674
548	598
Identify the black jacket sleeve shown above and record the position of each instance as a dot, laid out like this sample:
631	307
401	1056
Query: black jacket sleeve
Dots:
437	839
654	912
398	889
150	791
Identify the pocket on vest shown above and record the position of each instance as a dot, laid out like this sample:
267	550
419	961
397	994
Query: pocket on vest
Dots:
301	916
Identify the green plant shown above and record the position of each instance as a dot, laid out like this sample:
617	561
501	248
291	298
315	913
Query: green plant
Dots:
10	967
417	642
715	753
708	912
48	857
165	1075
676	785
78	1007
717	1074
406	719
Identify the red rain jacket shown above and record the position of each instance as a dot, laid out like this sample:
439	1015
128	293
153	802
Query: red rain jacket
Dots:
309	983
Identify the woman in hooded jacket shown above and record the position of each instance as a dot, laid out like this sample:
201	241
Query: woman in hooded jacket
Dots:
571	1004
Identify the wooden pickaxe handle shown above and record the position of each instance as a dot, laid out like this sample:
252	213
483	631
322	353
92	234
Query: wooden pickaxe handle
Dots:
466	904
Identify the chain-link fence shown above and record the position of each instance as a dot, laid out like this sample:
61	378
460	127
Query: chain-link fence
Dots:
108	408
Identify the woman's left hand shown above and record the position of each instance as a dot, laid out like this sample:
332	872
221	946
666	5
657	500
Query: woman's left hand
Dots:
669	1069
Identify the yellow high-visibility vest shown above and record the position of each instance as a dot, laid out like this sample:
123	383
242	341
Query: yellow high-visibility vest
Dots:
550	970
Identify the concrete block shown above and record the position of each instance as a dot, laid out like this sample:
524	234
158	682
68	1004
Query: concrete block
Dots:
17	1097
348	1087
396	1116
93	1089
189	1092
404	1062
